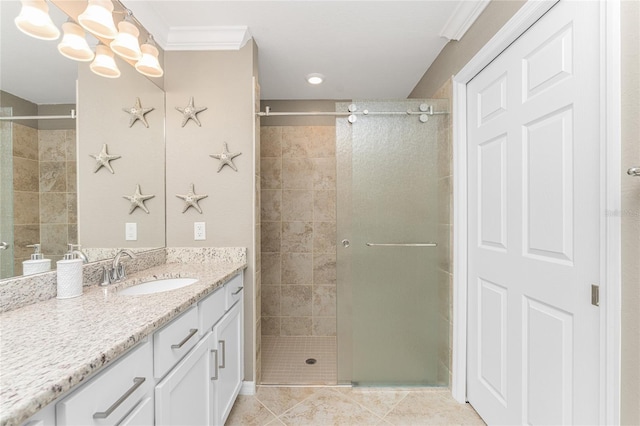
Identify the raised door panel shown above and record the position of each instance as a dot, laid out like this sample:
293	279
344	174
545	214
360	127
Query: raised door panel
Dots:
230	362
183	397
142	415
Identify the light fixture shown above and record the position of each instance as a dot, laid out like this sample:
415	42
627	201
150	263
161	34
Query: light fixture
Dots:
34	20
74	45
148	64
98	19
315	78
104	64
126	42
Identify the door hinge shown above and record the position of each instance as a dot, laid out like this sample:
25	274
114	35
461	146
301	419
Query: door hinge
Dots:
595	295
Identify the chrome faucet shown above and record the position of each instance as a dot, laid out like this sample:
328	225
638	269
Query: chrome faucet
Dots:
116	272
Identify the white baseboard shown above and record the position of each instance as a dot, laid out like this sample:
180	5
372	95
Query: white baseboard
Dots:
248	388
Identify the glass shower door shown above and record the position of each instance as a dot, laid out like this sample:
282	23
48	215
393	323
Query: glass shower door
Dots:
389	329
6	195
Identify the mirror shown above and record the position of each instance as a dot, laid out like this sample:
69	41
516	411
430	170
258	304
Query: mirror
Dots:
47	206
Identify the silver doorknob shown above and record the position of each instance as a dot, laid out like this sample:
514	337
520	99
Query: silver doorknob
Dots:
634	171
346	243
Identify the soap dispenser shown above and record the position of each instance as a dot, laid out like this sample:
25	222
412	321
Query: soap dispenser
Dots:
37	263
69	283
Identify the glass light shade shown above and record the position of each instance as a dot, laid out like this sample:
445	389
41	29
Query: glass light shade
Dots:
34	20
104	64
126	42
98	19
148	64
74	45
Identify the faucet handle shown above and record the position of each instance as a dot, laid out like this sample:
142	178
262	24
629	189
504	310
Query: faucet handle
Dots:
106	276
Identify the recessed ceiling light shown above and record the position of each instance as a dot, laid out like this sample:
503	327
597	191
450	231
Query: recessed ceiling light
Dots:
315	78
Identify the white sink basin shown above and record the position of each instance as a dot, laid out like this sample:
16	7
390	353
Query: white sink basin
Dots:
157	286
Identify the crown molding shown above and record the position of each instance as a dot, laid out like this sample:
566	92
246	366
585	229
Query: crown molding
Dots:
207	38
462	18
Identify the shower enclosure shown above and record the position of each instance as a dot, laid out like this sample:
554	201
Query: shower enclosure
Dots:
393	325
358	293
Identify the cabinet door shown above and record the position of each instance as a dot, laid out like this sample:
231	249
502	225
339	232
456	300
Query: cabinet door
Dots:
183	397
230	362
142	415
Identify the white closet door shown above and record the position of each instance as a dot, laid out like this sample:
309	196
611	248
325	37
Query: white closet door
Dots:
534	224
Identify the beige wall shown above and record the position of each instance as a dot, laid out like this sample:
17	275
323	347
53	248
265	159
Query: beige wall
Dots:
222	81
630	108
102	210
456	54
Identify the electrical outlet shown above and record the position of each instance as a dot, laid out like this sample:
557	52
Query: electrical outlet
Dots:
131	231
199	231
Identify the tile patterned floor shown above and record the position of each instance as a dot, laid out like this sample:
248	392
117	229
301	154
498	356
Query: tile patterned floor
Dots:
283	360
320	406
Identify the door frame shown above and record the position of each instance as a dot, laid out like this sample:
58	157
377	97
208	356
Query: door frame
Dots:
610	198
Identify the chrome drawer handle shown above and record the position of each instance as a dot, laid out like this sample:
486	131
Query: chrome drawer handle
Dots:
137	382
215	351
181	344
223	352
237	291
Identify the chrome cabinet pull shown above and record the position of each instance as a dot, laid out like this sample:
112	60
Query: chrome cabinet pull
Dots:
401	244
215	352
3	245
221	342
634	171
237	291
137	382
189	336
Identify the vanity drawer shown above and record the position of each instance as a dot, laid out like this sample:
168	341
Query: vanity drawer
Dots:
172	342
112	393
211	309
233	291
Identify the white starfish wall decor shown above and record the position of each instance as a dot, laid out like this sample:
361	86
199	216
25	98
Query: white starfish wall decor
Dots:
136	113
137	200
191	199
103	159
189	112
226	158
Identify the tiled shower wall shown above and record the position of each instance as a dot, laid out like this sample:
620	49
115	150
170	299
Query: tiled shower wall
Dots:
44	192
298	214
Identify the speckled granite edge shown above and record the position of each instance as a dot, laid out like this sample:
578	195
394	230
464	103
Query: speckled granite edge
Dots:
206	254
26	290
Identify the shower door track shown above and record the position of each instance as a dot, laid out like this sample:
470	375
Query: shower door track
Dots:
269	113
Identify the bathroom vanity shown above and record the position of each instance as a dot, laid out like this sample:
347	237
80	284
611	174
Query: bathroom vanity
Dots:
173	357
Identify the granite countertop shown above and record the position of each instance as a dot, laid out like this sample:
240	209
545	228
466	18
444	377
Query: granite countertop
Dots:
49	347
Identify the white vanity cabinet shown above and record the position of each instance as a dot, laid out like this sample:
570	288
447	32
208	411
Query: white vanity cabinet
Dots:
188	373
117	395
183	397
228	338
202	387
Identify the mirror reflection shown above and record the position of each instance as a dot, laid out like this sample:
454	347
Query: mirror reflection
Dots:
49	193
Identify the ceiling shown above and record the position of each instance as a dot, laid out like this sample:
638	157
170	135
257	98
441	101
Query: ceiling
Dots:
365	49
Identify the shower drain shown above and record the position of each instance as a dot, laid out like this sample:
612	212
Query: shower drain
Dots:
311	361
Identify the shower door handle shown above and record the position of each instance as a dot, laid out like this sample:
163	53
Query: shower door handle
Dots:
401	244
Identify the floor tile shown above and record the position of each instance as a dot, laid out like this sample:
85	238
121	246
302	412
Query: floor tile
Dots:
432	408
329	407
248	411
281	399
379	401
